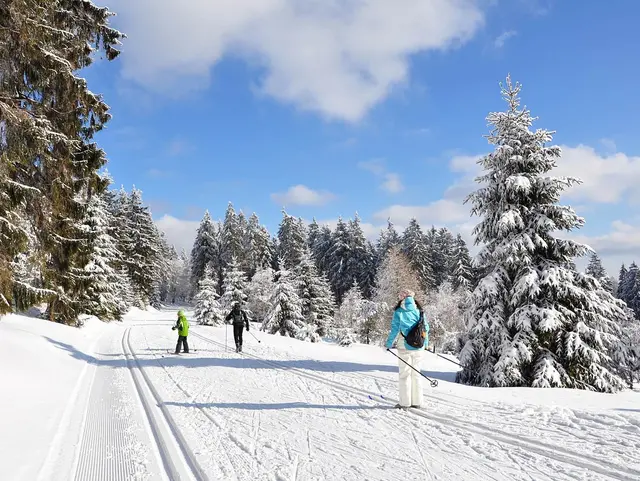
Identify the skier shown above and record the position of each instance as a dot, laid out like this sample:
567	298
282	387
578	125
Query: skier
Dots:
405	316
240	319
182	325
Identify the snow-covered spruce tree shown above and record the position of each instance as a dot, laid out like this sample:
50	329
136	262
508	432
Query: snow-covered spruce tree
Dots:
361	262
206	249
292	240
321	248
285	308
143	249
462	266
630	289
234	287
259	291
99	276
388	238
48	117
260	251
318	304
232	239
208	311
621	277
442	256
369	328
416	249
338	260
597	271
533	321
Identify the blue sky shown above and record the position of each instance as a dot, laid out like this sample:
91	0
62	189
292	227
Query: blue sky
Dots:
374	106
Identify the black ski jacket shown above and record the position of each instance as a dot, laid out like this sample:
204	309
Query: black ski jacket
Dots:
238	317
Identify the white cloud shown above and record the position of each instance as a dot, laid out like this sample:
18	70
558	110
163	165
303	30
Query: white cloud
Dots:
501	39
440	212
606	179
391	181
178	232
609	145
178	147
335	57
302	195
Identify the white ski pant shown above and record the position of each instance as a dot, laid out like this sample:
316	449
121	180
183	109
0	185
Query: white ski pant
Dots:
410	382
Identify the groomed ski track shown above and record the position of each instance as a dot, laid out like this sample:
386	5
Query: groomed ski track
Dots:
113	447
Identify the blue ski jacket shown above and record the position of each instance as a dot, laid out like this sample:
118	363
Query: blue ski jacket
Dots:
404	318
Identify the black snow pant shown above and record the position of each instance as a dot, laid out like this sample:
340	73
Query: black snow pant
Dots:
237	335
182	340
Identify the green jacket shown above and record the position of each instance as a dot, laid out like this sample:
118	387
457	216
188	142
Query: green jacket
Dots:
183	326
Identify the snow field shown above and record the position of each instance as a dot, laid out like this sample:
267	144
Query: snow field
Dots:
289	395
108	402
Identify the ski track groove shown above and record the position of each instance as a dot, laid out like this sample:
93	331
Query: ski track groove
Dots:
225	446
171	471
554	452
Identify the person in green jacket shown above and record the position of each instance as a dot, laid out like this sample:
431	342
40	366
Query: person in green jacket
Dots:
182	325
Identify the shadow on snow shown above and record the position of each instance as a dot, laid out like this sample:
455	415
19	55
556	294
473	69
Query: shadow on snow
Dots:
276	406
192	360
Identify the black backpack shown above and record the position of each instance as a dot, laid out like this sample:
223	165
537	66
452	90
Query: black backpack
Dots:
418	333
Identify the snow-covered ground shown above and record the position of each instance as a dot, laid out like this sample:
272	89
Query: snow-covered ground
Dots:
107	402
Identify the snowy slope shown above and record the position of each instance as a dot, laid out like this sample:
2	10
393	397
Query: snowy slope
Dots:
283	410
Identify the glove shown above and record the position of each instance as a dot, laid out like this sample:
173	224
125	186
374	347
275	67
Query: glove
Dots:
173	328
247	328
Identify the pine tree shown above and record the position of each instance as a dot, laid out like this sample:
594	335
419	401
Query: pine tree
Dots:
99	276
463	268
628	287
232	238
292	240
338	260
621	279
533	321
318	304
48	161
388	238
234	287
208	311
321	248
285	313
143	248
415	247
205	251
596	270
260	247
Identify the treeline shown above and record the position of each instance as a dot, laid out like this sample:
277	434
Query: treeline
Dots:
309	281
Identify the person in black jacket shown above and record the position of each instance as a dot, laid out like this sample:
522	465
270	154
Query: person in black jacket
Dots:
239	319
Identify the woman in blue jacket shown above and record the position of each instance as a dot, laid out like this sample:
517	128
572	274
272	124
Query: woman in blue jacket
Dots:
405	316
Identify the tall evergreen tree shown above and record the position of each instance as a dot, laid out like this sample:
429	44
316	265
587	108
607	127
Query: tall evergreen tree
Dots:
596	270
48	161
338	259
318	304
415	247
260	247
232	238
360	263
292	240
259	291
143	248
285	312
321	248
621	277
208	310
463	268
98	274
388	238
442	256
533	321
205	251
234	287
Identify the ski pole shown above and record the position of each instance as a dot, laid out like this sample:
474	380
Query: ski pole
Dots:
447	359
226	332
434	382
255	337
